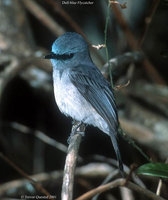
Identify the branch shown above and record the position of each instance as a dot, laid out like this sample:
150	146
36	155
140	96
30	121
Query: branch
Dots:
21	172
118	183
70	163
121	61
159	187
18	65
148	20
113	162
40	135
41	14
91	170
107	179
150	69
59	9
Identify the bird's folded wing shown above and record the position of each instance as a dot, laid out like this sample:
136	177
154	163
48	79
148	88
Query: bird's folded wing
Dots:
95	89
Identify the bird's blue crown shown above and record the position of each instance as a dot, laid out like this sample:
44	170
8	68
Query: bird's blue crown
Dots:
68	43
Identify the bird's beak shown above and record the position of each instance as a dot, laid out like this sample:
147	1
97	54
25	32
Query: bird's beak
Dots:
50	56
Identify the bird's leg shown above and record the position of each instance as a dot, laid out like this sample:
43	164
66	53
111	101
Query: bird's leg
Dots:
74	122
77	127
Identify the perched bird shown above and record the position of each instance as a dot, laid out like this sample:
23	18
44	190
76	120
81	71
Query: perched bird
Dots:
80	89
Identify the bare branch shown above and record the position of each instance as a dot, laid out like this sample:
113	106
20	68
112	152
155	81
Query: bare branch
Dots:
148	20
91	170
122	5
117	183
40	135
99	46
150	69
159	187
70	163
21	172
41	14
16	66
121	61
119	87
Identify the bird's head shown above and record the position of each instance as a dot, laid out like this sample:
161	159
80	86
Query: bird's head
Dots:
68	47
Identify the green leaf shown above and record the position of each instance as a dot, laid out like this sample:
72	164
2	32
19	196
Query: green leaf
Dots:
154	169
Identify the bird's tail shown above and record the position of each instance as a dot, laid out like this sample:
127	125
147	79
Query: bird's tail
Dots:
117	151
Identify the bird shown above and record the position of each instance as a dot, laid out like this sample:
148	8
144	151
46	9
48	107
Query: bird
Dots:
81	91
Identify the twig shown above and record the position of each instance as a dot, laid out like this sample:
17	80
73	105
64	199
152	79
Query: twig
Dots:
40	135
21	172
58	8
150	69
132	168
8	73
148	20
95	169
159	187
16	66
117	183
122	22
70	163
107	179
21	184
105	42
122	5
122	61
91	170
113	162
126	194
99	46
41	14
119	87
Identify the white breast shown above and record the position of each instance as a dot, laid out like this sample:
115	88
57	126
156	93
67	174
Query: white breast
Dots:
73	104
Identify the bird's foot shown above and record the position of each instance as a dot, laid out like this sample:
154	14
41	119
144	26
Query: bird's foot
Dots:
78	127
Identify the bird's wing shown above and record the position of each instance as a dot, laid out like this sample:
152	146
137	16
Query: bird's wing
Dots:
96	90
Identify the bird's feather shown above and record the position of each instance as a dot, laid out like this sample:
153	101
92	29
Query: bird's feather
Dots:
97	91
